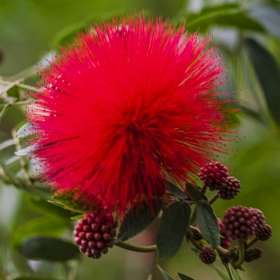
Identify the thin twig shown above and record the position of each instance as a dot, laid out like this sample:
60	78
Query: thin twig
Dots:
130	247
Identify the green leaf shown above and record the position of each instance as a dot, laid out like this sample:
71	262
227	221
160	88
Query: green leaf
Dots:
27	151
195	193
219	272
172	230
7	143
268	16
268	73
234	272
48	248
42	206
208	224
175	190
228	15
48	225
137	220
69	205
26	130
77	217
184	277
33	278
14	92
165	274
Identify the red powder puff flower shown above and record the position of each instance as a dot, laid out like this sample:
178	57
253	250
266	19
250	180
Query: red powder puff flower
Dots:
125	106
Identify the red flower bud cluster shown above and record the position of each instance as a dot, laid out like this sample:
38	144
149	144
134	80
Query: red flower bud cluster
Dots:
264	233
94	234
253	254
207	255
241	222
214	175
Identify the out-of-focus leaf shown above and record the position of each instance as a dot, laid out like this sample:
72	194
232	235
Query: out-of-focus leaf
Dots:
27	151
184	277
14	164
195	193
219	272
26	130
165	274
234	272
208	224
33	278
136	220
68	205
76	217
268	16
172	230
48	248
175	190
268	73
226	15
7	143
67	35
40	205
47	225
14	92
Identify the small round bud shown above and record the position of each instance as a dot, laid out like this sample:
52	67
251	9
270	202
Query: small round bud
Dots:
260	218
239	222
230	189
207	255
94	234
213	175
263	233
253	254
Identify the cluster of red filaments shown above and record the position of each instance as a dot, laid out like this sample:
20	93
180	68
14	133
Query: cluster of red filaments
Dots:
94	234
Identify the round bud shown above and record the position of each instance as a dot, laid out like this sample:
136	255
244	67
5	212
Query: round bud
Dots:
94	234
260	218
239	222
253	254
230	189
263	233
207	255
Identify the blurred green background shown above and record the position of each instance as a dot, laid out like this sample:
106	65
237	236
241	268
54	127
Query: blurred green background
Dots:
247	34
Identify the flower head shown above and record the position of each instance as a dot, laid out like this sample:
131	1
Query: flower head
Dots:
126	105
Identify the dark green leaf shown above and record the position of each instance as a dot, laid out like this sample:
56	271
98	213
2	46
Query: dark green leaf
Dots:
165	274
208	224
48	248
172	230
26	130
40	205
268	73
14	92
48	225
268	16
229	15
175	190
195	193
137	220
184	277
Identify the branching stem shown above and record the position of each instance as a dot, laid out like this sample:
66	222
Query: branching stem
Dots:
140	249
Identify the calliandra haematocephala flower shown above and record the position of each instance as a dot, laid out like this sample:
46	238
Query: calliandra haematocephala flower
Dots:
126	105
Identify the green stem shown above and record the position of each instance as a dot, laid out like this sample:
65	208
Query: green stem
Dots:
204	188
142	249
229	272
241	254
18	84
251	243
213	199
19	103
